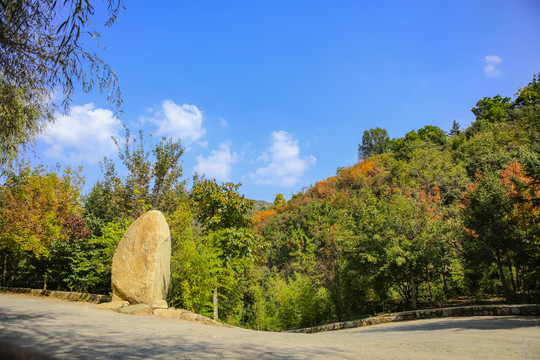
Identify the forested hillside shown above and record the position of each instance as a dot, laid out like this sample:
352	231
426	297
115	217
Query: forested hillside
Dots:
429	217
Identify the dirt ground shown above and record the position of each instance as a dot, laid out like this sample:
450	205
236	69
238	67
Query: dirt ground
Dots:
75	330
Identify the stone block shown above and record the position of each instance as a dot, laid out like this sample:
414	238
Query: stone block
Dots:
113	305
159	304
139	309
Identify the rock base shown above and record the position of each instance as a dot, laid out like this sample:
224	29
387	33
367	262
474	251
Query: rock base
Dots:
139	309
113	305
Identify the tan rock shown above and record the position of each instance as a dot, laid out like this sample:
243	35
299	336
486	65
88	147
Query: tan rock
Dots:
140	270
189	316
159	304
113	305
139	309
171	313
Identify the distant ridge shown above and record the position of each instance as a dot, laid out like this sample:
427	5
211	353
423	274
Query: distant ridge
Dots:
259	205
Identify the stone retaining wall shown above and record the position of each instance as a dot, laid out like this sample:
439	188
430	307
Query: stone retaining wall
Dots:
479	310
67	295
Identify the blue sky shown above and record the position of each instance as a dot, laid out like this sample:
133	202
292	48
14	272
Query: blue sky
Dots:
276	94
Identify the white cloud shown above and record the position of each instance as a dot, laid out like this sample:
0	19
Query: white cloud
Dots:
286	166
84	135
491	69
180	121
218	164
223	123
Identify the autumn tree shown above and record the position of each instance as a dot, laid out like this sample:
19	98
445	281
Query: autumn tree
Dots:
35	205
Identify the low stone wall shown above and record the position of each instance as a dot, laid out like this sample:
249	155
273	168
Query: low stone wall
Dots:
66	295
479	310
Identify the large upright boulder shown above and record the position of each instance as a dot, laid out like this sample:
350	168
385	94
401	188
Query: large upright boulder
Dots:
141	265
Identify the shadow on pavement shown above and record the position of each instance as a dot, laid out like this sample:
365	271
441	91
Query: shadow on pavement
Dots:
72	336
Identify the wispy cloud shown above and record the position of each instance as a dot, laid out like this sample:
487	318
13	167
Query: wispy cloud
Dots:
83	135
219	164
179	121
285	165
492	61
223	123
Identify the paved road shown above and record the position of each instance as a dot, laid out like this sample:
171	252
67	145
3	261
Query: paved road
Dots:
71	330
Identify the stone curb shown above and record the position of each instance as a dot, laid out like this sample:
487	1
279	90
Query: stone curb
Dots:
66	295
478	310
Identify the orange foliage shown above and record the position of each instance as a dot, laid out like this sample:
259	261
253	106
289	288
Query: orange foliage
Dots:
323	189
263	215
259	219
521	189
362	173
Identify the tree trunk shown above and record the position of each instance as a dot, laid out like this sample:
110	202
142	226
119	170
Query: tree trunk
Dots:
339	305
4	270
512	280
519	276
413	291
45	276
216	304
429	283
523	268
445	287
506	291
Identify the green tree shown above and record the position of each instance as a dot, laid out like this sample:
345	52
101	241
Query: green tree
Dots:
455	130
195	264
43	46
43	50
403	147
99	209
222	212
486	218
529	95
409	234
279	201
23	115
374	141
435	172
432	134
489	111
153	179
219	207
492	110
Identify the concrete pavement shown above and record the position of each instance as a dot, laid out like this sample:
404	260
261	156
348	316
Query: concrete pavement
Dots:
76	330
